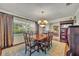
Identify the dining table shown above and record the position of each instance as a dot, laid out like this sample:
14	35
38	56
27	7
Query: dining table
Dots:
39	37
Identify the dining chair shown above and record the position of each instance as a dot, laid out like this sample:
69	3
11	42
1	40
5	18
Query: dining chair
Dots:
25	41
41	45
30	45
47	42
49	39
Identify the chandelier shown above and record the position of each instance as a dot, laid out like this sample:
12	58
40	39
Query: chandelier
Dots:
42	22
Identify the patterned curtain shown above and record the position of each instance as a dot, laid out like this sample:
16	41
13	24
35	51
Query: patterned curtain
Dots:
6	32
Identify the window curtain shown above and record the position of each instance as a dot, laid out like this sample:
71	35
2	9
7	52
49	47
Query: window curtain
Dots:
6	32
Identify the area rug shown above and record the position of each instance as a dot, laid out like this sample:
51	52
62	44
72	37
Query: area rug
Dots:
58	49
20	51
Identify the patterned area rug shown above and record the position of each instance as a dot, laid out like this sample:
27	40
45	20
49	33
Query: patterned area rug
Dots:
20	51
58	49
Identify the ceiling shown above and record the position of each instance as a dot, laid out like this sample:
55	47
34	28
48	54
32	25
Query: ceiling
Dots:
33	10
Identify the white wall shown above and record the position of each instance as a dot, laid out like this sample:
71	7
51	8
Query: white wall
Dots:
77	17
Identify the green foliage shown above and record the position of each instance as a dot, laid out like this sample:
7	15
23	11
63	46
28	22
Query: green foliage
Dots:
18	28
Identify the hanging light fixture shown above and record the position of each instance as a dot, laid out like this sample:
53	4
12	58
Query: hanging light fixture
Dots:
42	22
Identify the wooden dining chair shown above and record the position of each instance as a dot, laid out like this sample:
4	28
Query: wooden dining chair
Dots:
25	41
49	39
29	43
47	42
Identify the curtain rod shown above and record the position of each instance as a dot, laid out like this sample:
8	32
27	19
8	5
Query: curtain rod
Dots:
19	17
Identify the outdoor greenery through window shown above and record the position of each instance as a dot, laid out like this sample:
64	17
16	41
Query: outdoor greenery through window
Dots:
20	26
17	28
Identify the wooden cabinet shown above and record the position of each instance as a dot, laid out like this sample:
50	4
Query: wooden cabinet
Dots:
74	40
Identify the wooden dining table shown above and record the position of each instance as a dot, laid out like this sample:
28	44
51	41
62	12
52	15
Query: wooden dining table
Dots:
40	37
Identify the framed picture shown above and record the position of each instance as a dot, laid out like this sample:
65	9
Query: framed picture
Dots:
56	30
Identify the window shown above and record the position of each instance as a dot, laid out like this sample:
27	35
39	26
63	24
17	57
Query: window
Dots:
20	26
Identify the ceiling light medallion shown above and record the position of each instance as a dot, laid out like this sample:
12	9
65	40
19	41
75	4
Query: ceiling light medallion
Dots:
42	22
